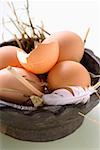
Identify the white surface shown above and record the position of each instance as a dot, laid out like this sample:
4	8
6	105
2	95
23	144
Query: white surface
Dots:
77	16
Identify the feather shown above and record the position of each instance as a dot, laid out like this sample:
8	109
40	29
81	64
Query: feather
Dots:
63	96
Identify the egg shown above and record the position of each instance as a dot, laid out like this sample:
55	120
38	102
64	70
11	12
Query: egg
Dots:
71	46
68	73
12	90
41	59
8	57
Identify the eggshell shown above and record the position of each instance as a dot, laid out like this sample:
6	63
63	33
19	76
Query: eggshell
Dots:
41	59
71	46
68	73
8	57
8	81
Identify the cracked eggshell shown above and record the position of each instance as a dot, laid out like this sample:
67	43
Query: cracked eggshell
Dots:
41	59
68	73
71	46
8	57
8	81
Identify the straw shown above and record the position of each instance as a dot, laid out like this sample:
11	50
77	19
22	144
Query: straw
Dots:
97	85
8	90
90	119
87	32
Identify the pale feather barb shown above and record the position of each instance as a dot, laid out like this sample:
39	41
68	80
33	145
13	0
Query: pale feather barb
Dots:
64	97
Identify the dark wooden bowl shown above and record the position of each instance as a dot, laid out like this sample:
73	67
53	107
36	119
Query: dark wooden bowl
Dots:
48	123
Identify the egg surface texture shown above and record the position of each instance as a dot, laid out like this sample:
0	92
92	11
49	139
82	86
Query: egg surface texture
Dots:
68	73
8	57
41	59
16	92
71	46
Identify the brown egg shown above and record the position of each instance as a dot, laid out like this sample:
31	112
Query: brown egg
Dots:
41	59
8	57
71	46
16	92
68	73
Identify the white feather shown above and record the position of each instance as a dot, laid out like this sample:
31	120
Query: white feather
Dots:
63	96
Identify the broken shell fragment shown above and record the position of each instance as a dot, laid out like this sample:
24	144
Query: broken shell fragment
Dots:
41	59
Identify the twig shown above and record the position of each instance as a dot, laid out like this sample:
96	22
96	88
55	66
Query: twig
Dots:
29	18
94	75
37	35
23	38
27	9
43	30
9	4
42	27
13	8
32	29
19	27
92	120
96	85
87	32
18	42
15	25
19	23
26	24
25	82
97	94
